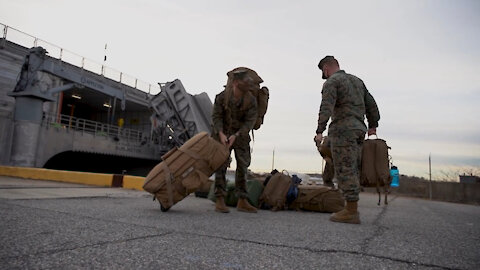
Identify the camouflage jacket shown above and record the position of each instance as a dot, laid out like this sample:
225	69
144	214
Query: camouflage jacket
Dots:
235	117
346	100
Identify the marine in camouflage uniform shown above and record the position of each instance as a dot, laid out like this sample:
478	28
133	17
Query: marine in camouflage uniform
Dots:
346	100
234	117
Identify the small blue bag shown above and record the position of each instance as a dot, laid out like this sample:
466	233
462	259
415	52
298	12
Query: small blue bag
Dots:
292	193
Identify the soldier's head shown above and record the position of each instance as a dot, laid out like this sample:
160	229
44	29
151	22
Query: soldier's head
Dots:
328	65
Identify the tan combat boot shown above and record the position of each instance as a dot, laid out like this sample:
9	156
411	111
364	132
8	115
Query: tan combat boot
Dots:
220	205
348	215
244	206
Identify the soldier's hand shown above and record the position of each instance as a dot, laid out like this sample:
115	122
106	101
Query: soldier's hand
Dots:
372	131
231	140
223	138
318	138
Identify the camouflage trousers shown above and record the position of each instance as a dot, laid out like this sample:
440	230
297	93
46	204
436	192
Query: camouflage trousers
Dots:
347	157
241	147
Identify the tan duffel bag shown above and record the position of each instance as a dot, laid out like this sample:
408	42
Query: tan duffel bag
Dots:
319	199
184	170
375	166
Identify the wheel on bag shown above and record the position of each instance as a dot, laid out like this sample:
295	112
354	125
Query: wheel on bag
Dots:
163	209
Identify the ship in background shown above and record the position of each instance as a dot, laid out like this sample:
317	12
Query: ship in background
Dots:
60	110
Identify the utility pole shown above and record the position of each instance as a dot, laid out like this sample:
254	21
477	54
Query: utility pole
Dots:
273	159
430	173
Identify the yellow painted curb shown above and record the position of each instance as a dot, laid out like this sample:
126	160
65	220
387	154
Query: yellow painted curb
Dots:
96	179
133	182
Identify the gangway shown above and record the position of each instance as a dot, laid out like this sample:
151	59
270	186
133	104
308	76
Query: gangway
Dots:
178	115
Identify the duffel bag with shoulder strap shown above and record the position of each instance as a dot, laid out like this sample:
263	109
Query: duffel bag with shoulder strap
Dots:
318	199
184	170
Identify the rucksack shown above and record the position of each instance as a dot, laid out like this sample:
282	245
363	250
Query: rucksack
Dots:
265	182
274	194
262	97
261	94
375	166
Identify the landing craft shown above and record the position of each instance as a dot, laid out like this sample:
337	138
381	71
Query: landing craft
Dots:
53	111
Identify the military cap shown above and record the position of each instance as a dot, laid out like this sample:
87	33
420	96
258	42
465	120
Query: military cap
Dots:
325	60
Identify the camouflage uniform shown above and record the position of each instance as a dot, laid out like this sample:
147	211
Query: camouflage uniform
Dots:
235	118
346	100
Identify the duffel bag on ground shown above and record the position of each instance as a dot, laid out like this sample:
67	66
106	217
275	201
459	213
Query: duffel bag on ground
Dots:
318	199
254	190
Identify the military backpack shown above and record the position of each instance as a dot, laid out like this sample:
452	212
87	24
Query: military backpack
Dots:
375	166
261	94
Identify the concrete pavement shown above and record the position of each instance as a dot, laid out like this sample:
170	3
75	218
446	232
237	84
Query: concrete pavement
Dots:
60	225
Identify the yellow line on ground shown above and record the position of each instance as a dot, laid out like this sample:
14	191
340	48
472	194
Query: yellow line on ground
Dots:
133	182
96	179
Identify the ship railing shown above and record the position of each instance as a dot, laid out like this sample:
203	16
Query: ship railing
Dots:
21	38
98	129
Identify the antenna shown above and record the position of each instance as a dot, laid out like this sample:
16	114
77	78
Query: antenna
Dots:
104	59
105	54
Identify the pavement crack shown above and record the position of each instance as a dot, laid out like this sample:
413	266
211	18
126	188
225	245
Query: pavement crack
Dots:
84	216
99	244
379	229
327	251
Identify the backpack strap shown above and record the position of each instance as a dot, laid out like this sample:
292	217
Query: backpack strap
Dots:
313	194
168	180
253	142
378	191
190	153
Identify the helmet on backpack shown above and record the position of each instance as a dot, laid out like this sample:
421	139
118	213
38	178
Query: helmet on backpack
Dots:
261	94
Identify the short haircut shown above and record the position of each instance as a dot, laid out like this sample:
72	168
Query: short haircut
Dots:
328	60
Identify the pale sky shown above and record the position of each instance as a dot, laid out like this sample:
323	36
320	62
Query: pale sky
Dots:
419	59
